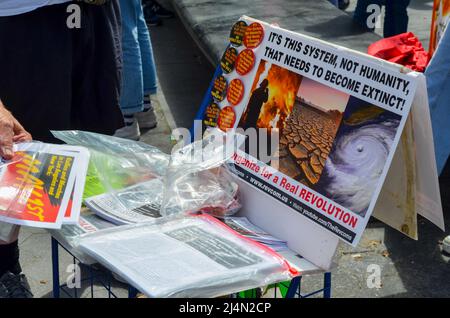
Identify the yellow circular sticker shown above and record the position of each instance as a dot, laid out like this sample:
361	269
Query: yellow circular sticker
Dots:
254	35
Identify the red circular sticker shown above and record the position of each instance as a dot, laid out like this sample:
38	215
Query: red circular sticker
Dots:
211	114
228	60
227	117
235	92
245	62
219	88
237	33
254	35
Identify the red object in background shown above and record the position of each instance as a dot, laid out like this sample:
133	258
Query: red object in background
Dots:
404	49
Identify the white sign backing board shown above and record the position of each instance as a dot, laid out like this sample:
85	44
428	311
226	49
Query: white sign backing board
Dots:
340	115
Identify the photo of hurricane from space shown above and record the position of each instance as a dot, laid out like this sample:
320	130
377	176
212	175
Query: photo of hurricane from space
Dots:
358	156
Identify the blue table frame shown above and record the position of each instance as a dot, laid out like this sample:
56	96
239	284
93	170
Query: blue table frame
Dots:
293	290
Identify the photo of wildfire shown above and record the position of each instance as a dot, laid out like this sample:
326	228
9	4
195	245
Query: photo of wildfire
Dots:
307	136
273	97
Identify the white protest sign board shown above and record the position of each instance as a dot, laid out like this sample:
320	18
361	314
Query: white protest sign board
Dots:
340	115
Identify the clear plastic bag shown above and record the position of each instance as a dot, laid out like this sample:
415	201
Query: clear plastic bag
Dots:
198	178
195	177
186	256
116	163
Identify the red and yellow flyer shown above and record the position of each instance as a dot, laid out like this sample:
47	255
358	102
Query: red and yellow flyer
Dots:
36	186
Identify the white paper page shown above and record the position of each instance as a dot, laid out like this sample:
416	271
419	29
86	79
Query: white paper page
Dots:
80	179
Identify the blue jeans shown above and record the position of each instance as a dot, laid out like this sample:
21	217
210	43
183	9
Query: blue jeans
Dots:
139	73
438	83
395	20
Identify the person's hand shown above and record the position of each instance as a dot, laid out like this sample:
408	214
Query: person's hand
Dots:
11	131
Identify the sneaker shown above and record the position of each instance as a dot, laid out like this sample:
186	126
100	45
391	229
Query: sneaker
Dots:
147	119
150	17
446	245
129	132
159	10
16	285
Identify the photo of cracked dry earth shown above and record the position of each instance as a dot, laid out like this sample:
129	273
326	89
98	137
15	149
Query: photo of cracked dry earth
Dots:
306	141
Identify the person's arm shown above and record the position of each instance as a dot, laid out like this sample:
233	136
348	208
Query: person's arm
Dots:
11	131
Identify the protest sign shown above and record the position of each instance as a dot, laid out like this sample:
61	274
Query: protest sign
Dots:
339	115
440	18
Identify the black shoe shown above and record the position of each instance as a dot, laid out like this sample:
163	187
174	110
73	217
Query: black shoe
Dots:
3	291
9	256
150	17
16	285
343	4
159	10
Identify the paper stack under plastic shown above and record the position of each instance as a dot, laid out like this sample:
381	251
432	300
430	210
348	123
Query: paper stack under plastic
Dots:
132	182
169	243
244	227
186	256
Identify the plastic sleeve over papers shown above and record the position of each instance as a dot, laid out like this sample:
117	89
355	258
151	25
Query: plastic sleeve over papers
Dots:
189	256
116	163
198	179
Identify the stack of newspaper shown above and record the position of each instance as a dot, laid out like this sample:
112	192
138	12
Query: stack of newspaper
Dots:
42	186
186	256
244	227
69	234
135	204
